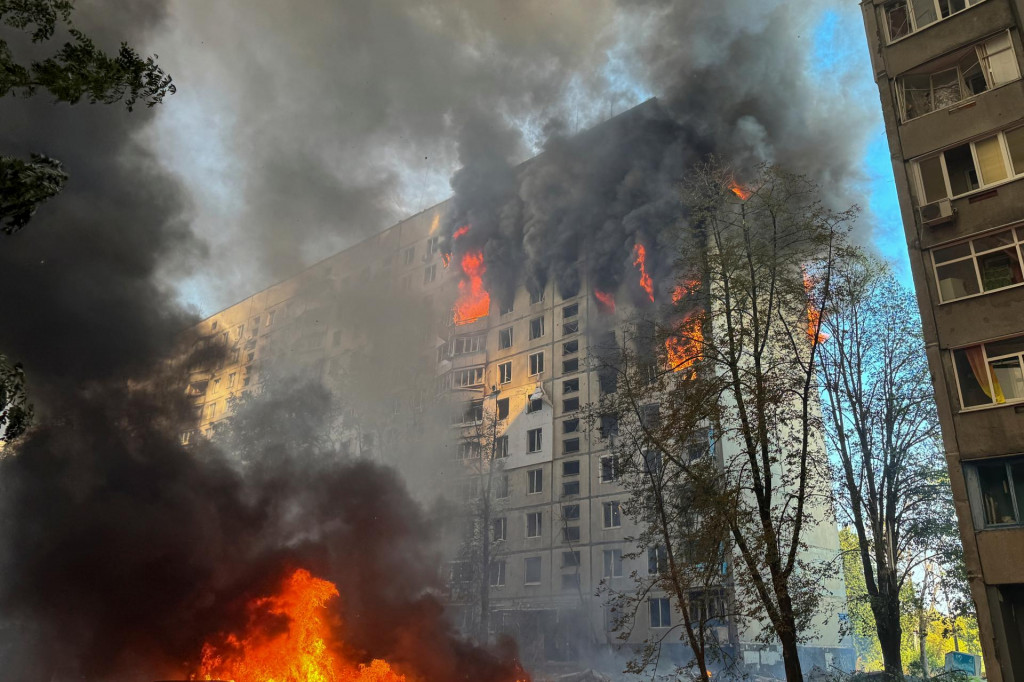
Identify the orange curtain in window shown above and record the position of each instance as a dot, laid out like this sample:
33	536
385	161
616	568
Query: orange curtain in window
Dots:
981	371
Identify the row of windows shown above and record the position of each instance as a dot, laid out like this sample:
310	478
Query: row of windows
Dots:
903	17
971	166
981	265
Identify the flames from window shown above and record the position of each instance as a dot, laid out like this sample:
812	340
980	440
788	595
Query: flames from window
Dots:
473	302
288	638
640	262
685	344
814	332
606	299
739	190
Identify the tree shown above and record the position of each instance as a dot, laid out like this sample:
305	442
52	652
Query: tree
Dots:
658	430
78	70
15	410
883	428
760	261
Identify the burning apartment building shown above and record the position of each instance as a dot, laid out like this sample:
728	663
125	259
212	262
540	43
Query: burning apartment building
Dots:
461	342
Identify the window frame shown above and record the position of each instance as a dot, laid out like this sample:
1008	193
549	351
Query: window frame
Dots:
501	339
535	481
664	609
614	468
1007	158
912	17
569	486
539	440
976	493
537	516
474	374
1016	232
536	328
526	570
500	573
505	372
611	515
501	521
536	362
987	360
610	560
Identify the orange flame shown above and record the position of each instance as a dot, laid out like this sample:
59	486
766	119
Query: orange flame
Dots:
474	302
640	261
814	332
607	300
684	347
288	639
459	232
739	190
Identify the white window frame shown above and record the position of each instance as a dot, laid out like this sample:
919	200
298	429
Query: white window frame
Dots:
609	562
611	515
501	341
504	485
539	322
1018	242
1007	166
912	16
539	526
502	523
505	372
614	469
535	481
430	273
468	377
497	573
468	343
536	363
664	607
538	445
988	359
467	450
986	70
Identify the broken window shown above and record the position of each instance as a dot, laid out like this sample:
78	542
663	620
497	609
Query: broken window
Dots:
534	524
501	447
612	563
535	481
430	273
507	307
570	445
609	469
570	512
536	297
534	405
472	412
897	19
612	516
505	338
571	386
531	570
570	404
570	534
571	468
903	17
536	364
1001	488
536	328
502	408
570	347
570	311
570	327
497	573
502	489
499	529
570	426
467	450
432	245
971	166
534	439
570	488
505	372
652	462
571	559
572	365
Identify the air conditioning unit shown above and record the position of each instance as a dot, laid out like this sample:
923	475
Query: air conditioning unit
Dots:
937	213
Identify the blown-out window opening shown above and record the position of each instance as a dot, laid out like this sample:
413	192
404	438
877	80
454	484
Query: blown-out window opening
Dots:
979	164
904	17
979	266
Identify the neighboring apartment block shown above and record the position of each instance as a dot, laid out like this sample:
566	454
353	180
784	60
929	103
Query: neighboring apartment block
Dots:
949	78
556	523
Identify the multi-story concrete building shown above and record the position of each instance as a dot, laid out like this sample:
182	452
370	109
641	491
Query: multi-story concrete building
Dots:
949	78
555	523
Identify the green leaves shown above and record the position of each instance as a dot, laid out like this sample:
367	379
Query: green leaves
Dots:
15	410
24	185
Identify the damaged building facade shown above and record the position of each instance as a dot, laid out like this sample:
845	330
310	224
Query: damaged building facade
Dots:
949	78
486	380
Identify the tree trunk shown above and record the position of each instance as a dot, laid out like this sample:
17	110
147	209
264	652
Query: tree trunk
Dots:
791	656
922	629
886	610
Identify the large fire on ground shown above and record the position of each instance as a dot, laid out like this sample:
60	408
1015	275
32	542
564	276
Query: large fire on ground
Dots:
474	301
289	639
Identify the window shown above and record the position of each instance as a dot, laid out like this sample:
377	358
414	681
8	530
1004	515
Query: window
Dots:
570	347
536	297
501	447
536	328
661	612
467	450
999	491
231	380
570	512
472	412
971	166
570	445
467	489
570	404
536	363
430	273
954	78
990	373
570	533
507	307
534	438
903	17
502	487
572	365
531	571
186	437
505	372
250	356
612	563
570	386
460	572
652	462
570	426
502	408
570	488
211	410
570	327
535	480
533	524
571	468
505	338
657	560
213	326
609	469
468	378
499	529
468	344
570	311
497	573
254	329
432	244
409	255
570	559
534	405
271	316
612	516
985	264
